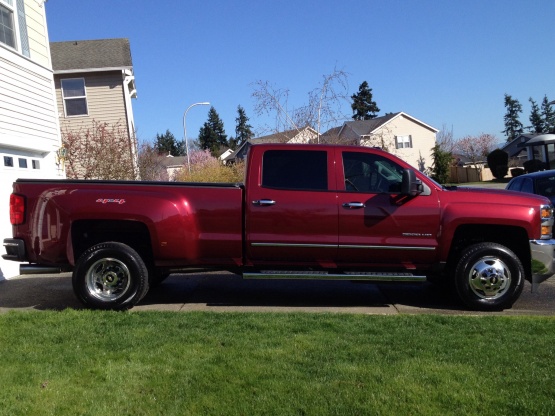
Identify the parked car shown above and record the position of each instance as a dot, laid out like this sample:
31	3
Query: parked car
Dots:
539	183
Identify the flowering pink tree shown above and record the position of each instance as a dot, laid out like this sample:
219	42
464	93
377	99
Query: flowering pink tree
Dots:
99	151
201	159
477	148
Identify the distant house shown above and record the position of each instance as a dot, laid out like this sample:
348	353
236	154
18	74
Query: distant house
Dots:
530	146
29	129
94	81
399	133
225	154
298	136
173	165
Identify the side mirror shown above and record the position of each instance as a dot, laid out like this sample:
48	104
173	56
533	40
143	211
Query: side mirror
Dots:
411	185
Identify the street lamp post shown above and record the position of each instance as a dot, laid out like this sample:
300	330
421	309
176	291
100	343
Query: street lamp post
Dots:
185	131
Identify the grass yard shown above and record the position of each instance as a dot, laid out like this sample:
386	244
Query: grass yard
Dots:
155	363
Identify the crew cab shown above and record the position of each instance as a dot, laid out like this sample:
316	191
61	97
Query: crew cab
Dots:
303	212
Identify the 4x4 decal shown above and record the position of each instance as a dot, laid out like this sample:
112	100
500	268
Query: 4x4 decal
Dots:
110	201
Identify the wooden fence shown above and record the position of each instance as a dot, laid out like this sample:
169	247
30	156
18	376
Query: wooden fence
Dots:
461	174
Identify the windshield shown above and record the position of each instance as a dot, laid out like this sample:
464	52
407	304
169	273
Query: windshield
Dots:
435	182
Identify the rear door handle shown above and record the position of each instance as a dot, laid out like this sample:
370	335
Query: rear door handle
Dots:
264	202
353	205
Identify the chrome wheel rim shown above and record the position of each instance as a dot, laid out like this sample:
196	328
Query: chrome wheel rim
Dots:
489	278
108	279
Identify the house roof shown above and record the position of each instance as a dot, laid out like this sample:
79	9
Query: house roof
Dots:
280	137
368	127
333	132
91	55
515	146
173	161
540	139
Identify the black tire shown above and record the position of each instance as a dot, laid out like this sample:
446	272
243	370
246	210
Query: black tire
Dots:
488	277
110	275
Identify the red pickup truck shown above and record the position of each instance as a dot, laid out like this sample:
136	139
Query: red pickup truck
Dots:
304	212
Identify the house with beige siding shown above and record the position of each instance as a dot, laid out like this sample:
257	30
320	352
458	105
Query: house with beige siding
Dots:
29	129
94	84
399	133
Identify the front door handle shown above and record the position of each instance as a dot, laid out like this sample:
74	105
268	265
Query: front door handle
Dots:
353	205
264	202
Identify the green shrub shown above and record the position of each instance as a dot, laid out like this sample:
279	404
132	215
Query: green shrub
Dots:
517	172
500	171
498	162
210	169
533	165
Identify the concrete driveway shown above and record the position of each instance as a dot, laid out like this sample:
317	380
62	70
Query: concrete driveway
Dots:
228	292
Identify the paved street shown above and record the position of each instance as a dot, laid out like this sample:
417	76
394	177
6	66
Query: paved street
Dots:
228	292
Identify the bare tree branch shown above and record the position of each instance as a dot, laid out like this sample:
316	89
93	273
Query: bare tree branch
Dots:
322	111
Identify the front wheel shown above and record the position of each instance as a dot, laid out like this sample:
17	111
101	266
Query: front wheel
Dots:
110	275
489	276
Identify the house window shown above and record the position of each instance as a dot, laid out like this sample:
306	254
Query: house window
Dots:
403	142
7	26
13	25
75	99
36	164
22	163
8	161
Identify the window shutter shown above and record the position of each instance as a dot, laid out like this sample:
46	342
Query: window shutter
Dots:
23	28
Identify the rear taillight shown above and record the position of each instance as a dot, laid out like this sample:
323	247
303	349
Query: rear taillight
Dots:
17	209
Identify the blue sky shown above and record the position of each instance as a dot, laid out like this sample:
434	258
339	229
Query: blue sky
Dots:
447	63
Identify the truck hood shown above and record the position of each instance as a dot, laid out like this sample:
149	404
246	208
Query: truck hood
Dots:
493	196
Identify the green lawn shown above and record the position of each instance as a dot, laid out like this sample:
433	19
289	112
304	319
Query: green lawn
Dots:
155	363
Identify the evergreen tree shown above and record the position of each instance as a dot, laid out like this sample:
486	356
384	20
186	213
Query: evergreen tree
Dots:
166	144
243	130
363	106
513	126
548	115
212	134
536	119
441	165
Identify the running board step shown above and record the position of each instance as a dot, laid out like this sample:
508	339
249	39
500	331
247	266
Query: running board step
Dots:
322	275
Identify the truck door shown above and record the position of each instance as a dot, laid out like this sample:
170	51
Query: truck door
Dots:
291	209
377	225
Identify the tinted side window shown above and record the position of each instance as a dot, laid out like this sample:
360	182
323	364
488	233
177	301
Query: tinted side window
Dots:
546	186
295	169
366	172
515	184
527	186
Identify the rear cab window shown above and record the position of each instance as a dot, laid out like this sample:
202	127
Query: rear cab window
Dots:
295	170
